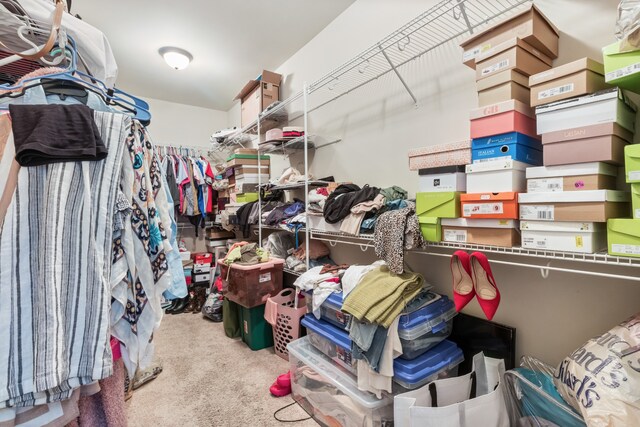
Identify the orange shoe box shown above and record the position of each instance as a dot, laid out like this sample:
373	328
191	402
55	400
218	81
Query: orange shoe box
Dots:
490	205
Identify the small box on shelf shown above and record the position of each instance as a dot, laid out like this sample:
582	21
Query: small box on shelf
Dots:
490	205
431	228
530	25
514	54
623	237
492	232
580	237
438	205
583	206
571	80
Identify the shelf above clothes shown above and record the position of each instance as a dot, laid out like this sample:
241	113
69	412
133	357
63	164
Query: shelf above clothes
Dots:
296	145
289	271
298	185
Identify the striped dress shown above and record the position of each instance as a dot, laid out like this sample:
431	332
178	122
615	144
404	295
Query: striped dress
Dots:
55	295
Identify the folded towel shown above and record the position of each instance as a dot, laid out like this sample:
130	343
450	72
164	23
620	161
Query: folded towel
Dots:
381	295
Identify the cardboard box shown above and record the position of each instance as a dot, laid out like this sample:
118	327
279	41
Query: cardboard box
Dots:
431	229
443	182
242	170
247	160
530	25
503	86
504	117
578	177
623	236
490	205
246	197
492	232
571	80
257	95
601	107
519	152
438	205
201	268
609	149
217	234
451	154
251	151
587	206
622	65
581	237
513	54
497	176
441	170
635	201
632	163
201	278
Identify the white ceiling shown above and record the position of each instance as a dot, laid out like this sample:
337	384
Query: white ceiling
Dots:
232	41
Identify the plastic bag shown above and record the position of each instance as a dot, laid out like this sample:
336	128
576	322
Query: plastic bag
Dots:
532	399
601	379
628	25
280	244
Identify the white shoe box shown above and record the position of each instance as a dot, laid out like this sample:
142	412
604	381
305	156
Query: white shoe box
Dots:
201	268
601	107
496	176
581	237
443	182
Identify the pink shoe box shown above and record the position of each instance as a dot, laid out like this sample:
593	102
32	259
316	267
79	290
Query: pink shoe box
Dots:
435	156
504	117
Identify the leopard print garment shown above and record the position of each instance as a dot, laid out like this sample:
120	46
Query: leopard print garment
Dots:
396	231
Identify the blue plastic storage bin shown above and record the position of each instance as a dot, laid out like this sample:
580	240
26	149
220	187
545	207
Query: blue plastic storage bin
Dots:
419	330
331	310
426	327
440	362
331	341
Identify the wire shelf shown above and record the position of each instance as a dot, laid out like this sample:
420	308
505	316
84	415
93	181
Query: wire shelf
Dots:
597	258
297	185
290	271
443	23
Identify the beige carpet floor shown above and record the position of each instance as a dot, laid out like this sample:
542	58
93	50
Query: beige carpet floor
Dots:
210	380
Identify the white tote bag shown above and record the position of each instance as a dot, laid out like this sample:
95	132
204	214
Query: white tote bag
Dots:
475	399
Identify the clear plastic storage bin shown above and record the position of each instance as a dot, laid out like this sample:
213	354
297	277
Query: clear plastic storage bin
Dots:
331	341
251	285
331	310
440	362
329	394
426	327
426	323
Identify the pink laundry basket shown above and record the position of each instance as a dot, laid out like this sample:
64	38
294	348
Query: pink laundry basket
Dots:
285	319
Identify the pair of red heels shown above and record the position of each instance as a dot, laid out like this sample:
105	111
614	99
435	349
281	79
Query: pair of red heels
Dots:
472	277
282	386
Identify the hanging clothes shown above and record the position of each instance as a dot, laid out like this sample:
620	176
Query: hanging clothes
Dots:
54	274
141	268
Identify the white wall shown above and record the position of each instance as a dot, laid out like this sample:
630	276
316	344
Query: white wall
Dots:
180	124
379	124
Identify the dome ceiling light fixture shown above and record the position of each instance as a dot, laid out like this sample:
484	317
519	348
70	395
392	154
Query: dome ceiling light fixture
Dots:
176	58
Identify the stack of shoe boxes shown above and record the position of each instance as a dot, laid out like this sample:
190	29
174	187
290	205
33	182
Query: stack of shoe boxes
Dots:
624	234
569	199
503	129
243	172
442	182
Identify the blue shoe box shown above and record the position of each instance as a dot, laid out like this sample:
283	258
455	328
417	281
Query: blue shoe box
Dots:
517	146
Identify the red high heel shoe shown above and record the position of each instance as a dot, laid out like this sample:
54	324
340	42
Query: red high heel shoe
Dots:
485	285
463	290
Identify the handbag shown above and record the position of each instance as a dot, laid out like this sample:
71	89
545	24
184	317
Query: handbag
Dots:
475	399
